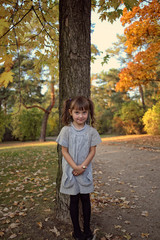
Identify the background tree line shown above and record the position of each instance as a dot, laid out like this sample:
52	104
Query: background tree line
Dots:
116	112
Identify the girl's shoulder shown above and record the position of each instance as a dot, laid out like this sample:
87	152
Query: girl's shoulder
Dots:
62	138
65	129
91	129
94	135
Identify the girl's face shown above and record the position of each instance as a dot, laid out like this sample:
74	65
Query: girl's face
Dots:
79	117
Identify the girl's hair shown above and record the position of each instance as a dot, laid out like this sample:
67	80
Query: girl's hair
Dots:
78	103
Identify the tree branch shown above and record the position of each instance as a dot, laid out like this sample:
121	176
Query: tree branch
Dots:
42	23
17	23
40	7
19	63
34	106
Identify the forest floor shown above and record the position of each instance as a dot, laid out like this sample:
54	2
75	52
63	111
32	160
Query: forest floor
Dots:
125	203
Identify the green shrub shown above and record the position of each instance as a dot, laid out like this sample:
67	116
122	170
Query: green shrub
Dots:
151	120
26	124
3	124
104	122
53	123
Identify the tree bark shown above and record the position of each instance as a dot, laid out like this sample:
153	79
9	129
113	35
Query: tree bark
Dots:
74	66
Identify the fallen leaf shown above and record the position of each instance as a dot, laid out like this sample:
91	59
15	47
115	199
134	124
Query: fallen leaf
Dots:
117	226
108	236
5	209
144	235
54	230
95	230
145	214
22	214
13	225
13	236
46	219
39	224
1	234
47	210
127	222
127	236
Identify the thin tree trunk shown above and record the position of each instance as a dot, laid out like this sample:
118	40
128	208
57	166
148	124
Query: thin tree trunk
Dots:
46	115
142	96
74	66
44	126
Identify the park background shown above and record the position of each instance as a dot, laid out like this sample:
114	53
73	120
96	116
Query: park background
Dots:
124	75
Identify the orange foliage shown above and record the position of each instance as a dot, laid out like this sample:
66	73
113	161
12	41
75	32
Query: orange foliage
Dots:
143	42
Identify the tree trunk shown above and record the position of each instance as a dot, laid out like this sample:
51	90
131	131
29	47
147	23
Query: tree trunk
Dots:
142	96
46	115
74	66
44	126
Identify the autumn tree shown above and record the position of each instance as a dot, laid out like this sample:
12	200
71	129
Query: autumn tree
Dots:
30	28
143	42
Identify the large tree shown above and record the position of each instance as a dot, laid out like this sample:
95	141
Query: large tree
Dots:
74	59
74	63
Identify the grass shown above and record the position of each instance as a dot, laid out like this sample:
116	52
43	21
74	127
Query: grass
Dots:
27	183
27	186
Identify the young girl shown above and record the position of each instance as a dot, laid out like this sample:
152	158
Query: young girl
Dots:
78	141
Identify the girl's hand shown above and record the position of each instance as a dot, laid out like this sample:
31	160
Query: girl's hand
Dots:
78	171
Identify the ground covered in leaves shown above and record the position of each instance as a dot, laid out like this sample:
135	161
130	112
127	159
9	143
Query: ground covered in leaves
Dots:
125	204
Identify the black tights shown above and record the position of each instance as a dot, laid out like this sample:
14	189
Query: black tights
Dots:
74	212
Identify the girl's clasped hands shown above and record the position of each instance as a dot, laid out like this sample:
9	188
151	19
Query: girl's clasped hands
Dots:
78	171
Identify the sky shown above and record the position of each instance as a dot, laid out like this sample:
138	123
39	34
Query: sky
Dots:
103	36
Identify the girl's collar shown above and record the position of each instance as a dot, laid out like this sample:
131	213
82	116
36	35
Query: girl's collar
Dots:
78	130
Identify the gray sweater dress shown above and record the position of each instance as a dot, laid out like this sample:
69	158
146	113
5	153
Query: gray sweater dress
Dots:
78	143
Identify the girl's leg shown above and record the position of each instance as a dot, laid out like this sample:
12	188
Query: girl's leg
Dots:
74	212
86	207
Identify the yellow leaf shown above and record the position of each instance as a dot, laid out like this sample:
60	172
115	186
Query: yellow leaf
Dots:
8	62
6	78
117	226
127	236
39	224
1	234
144	235
3	26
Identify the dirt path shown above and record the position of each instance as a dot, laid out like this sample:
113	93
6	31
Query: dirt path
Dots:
126	202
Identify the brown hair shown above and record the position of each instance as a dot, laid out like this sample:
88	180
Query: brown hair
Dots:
79	103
